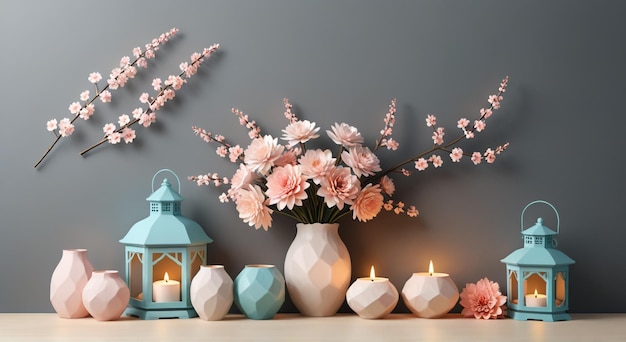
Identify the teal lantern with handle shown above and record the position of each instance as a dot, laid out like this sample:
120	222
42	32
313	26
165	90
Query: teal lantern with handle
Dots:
538	274
163	252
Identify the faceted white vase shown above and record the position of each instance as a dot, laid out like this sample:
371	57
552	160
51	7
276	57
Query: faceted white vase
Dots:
317	269
430	296
106	295
68	280
211	292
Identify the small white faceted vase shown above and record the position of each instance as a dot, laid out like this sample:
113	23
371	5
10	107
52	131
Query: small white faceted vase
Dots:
372	298
430	295
68	280
317	269
106	295
211	292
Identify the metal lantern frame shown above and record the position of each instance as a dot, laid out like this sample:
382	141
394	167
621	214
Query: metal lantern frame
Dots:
538	267
165	241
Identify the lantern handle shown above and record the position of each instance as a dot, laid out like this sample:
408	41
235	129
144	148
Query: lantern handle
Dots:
170	171
558	220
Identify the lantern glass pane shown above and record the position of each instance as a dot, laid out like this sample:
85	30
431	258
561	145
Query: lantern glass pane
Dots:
513	289
535	281
559	285
197	259
135	274
167	262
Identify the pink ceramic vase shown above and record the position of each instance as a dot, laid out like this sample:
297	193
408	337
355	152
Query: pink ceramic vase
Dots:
106	295
67	283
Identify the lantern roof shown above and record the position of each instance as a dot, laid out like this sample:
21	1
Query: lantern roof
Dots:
539	229
538	257
165	194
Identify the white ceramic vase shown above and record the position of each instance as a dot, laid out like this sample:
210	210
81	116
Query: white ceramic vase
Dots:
106	295
317	269
68	280
211	292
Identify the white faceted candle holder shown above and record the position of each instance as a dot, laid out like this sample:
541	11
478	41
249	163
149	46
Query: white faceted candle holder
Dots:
211	292
372	298
430	295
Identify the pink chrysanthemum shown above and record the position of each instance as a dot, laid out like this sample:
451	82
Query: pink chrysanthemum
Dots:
482	300
261	154
252	208
286	187
386	184
368	203
345	135
339	187
300	132
361	160
316	164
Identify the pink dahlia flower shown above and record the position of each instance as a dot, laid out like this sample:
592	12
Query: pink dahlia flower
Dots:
252	208
339	187
368	203
300	132
261	154
345	135
482	300
316	164
361	160
286	186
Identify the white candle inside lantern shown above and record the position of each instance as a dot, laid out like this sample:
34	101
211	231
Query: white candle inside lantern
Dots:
372	297
166	290
536	299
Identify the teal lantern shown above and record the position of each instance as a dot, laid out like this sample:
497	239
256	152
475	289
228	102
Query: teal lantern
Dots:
163	253
538	275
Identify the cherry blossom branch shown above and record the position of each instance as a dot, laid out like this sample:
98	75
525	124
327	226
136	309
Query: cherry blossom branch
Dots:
147	116
118	77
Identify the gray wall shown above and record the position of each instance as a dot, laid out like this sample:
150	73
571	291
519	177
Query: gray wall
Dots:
336	61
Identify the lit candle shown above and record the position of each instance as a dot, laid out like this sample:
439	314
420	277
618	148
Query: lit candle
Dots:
536	299
166	290
372	297
430	294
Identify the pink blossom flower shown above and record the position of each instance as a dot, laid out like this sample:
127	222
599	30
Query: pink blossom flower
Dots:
490	156
87	111
456	155
368	203
391	144
485	113
114	138
479	125
84	96
221	151
286	187
123	119
137	113
339	187
144	98
361	160
421	164
109	128
482	300
462	123
74	107
438	136
128	135
94	77
156	84
431	120
316	164
399	208
234	152
300	132
252	207
105	96
241	179
387	186
261	154
66	128
175	82
51	125
287	158
345	135
436	160
388	205
412	211
476	158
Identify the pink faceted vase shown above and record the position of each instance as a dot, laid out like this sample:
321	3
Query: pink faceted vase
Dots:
67	283
106	295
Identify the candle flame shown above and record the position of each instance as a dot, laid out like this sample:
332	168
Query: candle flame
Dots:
166	277
431	269
535	293
372	273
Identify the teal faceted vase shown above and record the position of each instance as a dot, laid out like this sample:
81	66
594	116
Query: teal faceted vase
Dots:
259	291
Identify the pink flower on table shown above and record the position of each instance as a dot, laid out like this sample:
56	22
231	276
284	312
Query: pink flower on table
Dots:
105	96
339	187
482	300
94	77
300	132
476	158
456	155
261	154
109	128
114	138
74	107
431	120
128	135
286	187
345	135
436	160
123	119
361	160
368	203
51	125
421	164
66	128
252	207
316	164
387	186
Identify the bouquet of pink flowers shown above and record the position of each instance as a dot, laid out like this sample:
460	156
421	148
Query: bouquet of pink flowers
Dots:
315	186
